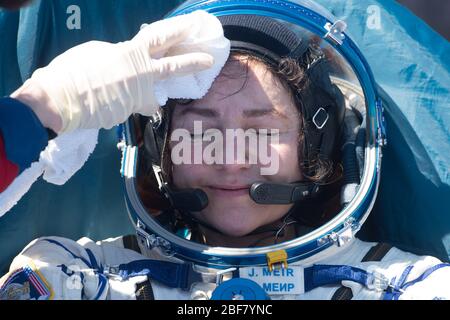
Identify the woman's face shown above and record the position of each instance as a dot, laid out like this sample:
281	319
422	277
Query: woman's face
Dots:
239	101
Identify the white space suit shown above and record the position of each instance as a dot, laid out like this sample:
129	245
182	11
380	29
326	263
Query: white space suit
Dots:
76	270
337	265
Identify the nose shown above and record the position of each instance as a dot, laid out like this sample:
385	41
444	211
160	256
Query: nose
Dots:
237	153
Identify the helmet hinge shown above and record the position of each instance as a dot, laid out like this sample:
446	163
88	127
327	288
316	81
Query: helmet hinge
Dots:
151	241
336	31
344	236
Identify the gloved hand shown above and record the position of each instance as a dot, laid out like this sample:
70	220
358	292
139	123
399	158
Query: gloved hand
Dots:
99	84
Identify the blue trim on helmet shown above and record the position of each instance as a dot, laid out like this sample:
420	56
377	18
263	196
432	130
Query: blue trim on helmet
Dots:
294	254
304	17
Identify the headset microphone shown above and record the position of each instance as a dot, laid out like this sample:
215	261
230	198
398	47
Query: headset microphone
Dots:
282	193
187	199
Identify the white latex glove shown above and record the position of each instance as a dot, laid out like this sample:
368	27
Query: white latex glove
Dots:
100	84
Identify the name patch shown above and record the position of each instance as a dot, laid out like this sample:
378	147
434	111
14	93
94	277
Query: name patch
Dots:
278	281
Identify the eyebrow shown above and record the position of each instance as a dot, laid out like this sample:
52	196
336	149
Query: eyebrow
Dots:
208	113
251	113
263	112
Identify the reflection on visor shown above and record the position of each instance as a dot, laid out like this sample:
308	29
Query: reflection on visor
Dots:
324	168
320	105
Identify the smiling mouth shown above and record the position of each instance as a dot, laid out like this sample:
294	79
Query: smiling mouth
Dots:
229	191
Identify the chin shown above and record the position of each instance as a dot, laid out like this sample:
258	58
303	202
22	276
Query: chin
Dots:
233	232
234	228
233	221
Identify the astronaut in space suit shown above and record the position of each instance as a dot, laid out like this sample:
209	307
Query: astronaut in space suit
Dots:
223	230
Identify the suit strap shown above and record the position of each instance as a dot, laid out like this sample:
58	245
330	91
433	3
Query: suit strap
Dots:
130	242
376	253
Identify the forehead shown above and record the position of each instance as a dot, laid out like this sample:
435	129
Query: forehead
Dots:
245	84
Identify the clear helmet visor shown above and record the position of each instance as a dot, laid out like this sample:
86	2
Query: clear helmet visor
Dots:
327	144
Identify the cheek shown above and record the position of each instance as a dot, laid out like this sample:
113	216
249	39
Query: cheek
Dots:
178	176
185	176
287	152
